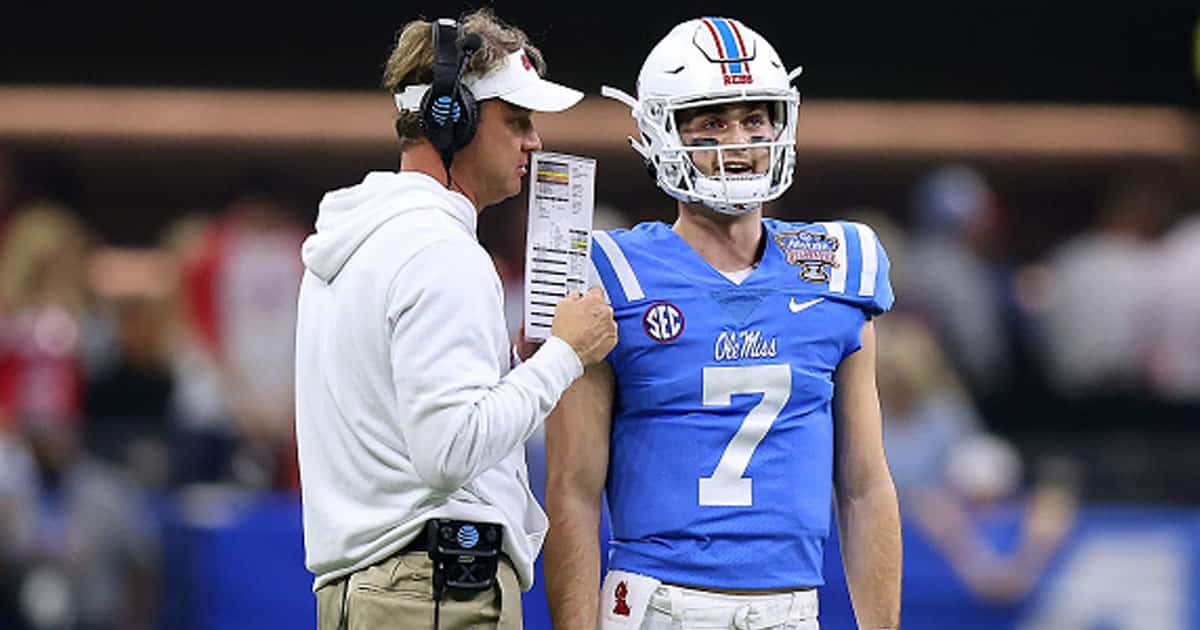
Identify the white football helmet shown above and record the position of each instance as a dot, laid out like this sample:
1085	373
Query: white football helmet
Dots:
713	61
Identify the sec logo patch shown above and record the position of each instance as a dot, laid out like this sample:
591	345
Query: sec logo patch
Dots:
663	322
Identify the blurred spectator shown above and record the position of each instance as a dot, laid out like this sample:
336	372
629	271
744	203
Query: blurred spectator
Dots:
967	518
74	552
239	295
1171	326
43	300
203	436
127	403
1098	287
926	412
16	479
77	549
950	278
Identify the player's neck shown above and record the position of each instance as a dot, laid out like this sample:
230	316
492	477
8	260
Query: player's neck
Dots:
423	158
728	243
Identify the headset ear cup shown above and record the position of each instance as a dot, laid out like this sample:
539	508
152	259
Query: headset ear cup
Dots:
468	122
437	128
441	110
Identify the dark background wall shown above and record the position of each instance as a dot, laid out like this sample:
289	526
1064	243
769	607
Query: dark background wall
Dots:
1127	52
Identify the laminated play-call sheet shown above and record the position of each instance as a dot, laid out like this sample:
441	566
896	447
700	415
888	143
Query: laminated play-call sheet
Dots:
562	195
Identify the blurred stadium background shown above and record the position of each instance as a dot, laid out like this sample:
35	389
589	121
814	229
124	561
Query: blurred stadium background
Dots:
1033	172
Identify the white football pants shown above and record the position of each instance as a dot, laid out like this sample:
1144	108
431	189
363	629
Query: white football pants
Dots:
670	607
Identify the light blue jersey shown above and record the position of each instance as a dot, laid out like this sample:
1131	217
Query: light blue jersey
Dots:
721	459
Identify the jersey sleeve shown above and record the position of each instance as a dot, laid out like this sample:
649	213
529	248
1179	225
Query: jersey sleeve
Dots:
881	299
610	269
863	280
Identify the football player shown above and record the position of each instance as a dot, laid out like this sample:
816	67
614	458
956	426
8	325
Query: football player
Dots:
740	402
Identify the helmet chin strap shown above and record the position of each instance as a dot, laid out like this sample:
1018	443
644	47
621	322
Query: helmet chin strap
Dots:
714	187
732	211
716	190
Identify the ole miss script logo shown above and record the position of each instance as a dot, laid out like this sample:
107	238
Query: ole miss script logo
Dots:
621	592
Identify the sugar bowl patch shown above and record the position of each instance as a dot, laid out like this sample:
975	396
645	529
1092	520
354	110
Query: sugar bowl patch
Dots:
813	252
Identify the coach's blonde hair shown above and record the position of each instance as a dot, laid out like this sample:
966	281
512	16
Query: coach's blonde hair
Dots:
411	61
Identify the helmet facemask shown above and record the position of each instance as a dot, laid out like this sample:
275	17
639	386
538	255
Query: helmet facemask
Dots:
723	188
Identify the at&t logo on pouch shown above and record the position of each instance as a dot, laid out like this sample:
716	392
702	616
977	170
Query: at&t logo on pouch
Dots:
663	321
468	536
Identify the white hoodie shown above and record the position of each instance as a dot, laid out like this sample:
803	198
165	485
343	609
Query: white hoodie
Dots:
405	406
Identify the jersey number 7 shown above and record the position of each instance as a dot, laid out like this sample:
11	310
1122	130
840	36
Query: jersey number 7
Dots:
727	486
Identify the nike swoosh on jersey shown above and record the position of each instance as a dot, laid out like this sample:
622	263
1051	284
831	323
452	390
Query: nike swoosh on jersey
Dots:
796	308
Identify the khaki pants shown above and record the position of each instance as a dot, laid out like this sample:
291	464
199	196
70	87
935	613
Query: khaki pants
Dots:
397	593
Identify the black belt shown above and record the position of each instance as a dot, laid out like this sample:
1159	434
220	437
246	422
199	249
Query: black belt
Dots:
420	543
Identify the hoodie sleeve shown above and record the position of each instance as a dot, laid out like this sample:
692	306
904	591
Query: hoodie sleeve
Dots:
459	416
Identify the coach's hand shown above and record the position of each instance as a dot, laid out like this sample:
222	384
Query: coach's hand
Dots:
585	322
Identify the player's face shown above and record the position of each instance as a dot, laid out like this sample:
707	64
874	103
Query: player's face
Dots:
498	155
734	123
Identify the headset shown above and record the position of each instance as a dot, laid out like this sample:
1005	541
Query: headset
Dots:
449	113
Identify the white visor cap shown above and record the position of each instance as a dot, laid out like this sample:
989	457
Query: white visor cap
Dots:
516	82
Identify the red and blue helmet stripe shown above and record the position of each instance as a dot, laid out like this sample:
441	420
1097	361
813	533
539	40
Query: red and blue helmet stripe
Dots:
728	38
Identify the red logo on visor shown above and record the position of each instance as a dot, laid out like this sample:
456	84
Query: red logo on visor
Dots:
525	62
